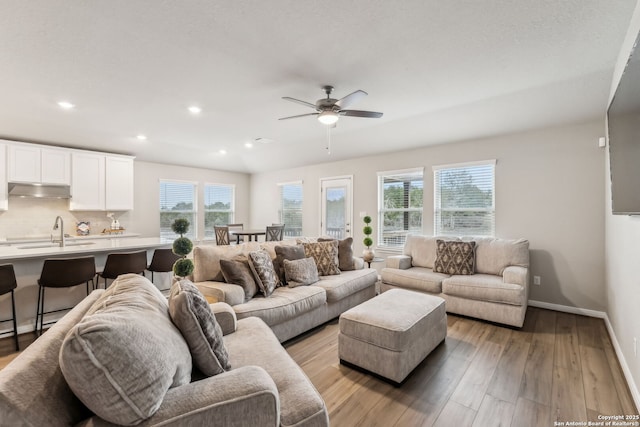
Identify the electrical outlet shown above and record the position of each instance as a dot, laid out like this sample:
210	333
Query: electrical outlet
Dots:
363	214
536	280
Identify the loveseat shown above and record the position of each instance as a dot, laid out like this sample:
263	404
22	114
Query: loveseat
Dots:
263	387
496	287
288	311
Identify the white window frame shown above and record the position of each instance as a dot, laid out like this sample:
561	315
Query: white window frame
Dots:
437	209
232	210
289	230
380	241
193	226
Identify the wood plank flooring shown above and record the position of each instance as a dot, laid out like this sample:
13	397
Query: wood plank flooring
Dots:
557	367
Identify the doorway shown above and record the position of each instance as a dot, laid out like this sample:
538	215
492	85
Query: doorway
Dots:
337	207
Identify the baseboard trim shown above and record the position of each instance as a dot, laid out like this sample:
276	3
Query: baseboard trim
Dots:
633	388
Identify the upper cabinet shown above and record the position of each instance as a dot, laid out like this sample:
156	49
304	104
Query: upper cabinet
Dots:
101	182
30	163
119	183
4	197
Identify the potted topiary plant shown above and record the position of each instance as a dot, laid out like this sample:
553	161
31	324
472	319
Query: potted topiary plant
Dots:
368	254
182	246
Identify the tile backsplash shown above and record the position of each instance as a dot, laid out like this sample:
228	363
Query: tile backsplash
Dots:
34	218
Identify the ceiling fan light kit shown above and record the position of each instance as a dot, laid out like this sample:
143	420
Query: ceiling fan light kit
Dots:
328	117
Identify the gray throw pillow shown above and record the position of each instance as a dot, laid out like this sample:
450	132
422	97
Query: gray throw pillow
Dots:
191	313
286	252
301	272
263	271
345	253
325	255
238	272
125	353
454	257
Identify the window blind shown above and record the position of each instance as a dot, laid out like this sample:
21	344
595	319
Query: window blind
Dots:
291	208
219	206
177	200
400	202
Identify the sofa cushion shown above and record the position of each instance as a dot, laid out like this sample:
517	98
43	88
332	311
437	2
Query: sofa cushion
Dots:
238	272
206	261
300	272
416	278
494	255
484	287
455	257
422	249
124	355
326	256
286	252
284	304
263	271
191	313
345	253
347	283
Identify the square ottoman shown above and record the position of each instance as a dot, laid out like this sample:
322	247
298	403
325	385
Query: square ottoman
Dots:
392	333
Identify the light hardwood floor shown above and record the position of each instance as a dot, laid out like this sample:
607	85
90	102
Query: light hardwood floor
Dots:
558	367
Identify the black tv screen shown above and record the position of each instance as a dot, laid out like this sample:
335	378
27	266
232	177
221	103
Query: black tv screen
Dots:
623	119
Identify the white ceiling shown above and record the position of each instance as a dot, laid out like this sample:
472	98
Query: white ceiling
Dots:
441	71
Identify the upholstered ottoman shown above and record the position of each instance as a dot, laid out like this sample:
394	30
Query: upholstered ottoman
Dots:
392	333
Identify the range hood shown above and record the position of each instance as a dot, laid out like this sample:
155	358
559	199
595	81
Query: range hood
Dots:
40	190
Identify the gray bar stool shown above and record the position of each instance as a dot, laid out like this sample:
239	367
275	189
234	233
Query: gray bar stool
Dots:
63	273
122	263
162	261
7	285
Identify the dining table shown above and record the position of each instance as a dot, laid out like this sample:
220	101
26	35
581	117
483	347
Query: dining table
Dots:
249	233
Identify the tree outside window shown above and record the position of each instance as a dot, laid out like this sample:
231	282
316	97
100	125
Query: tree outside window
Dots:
400	205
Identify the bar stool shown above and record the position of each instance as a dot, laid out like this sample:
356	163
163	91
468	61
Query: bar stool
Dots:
63	273
8	284
122	263
162	261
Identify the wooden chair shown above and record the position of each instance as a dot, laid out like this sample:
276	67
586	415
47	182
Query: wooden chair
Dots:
7	284
233	227
222	235
274	233
162	261
123	263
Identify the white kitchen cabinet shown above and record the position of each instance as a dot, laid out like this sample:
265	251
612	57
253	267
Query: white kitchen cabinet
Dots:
30	163
4	197
119	183
87	182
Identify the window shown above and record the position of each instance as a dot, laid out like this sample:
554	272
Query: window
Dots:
465	199
400	195
218	207
291	208
177	200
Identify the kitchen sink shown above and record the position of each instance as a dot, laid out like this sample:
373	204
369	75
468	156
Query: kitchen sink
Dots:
53	245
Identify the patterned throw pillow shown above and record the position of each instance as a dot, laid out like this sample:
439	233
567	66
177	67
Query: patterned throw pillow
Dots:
455	257
238	272
286	252
325	255
301	272
263	271
345	253
191	313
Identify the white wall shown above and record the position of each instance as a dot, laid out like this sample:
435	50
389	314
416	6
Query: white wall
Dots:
622	249
549	189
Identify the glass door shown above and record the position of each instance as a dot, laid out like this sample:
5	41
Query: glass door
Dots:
336	205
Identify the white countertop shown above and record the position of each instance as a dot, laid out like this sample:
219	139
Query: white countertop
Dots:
44	239
80	247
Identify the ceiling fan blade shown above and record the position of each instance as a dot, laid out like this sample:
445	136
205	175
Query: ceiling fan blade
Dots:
350	99
299	115
308	104
360	113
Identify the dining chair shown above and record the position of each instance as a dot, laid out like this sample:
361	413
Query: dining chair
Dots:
239	227
162	261
122	263
222	235
7	285
63	273
274	233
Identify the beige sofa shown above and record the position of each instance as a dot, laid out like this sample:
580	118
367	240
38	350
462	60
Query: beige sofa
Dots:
498	291
288	311
264	386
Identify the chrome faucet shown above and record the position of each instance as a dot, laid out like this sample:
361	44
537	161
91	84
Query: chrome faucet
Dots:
61	227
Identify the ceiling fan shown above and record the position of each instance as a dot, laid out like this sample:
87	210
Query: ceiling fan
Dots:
329	110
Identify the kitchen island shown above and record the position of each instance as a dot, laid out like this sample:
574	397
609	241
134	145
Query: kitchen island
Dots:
28	258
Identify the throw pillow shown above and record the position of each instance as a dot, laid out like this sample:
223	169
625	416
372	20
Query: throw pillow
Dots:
345	253
238	272
325	255
263	271
190	312
455	257
283	253
301	272
125	353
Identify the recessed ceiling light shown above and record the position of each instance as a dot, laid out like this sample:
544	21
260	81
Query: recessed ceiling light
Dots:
66	105
142	137
248	144
195	110
222	151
